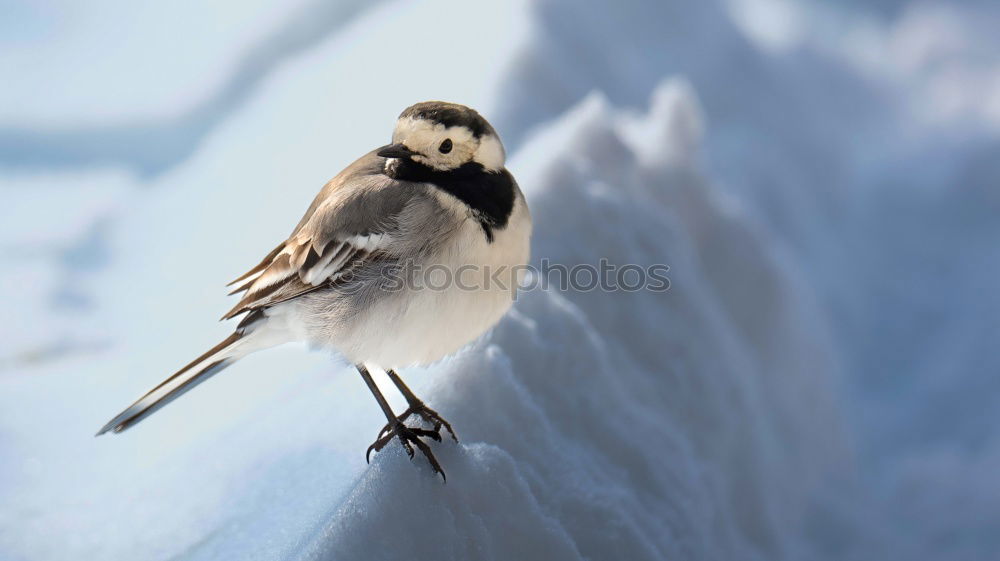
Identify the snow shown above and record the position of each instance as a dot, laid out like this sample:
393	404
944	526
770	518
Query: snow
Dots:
818	382
596	430
156	61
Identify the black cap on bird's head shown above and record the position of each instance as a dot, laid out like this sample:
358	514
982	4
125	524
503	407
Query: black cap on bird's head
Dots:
449	115
445	136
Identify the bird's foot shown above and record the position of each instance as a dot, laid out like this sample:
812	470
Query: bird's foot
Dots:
428	415
408	437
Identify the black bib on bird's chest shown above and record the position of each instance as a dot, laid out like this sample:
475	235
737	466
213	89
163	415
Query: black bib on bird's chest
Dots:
489	195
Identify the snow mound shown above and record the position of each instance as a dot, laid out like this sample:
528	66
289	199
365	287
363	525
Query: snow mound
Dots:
642	425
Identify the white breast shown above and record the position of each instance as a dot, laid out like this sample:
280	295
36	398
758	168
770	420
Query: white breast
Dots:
441	314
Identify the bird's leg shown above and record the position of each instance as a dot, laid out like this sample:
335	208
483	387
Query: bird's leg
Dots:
409	437
416	407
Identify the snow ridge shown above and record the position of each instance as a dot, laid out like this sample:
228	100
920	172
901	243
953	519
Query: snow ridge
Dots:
685	438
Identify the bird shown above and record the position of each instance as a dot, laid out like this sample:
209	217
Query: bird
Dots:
355	275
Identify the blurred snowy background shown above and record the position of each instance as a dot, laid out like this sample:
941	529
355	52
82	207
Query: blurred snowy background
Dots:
821	382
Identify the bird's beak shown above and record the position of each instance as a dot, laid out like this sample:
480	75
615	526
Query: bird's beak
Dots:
395	151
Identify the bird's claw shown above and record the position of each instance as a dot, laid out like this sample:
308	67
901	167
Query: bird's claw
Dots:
409	437
428	415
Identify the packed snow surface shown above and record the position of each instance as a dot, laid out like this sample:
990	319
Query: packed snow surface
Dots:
819	381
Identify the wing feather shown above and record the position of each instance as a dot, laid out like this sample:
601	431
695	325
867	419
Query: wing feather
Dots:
280	281
353	219
259	267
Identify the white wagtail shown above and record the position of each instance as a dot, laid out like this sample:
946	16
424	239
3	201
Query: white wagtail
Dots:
439	198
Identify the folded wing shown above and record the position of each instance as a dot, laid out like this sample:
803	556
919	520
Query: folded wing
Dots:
352	221
301	266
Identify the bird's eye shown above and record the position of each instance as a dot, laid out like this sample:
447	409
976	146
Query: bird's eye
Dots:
445	146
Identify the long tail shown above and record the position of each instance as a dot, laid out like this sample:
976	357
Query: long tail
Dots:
200	369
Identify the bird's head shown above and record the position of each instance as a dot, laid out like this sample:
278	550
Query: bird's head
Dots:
445	136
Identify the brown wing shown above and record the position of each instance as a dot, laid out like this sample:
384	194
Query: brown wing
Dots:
297	269
257	268
350	221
